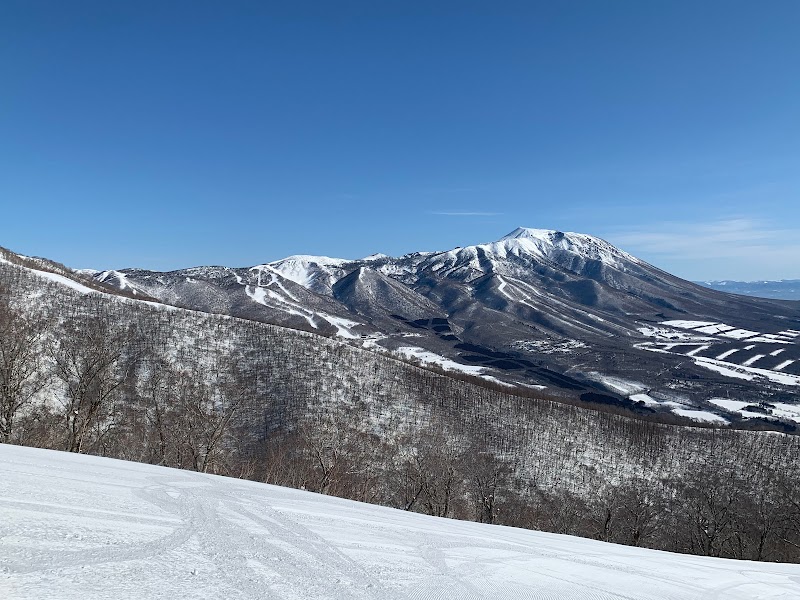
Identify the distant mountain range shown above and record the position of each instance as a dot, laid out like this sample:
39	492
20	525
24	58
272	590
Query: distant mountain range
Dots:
566	311
786	289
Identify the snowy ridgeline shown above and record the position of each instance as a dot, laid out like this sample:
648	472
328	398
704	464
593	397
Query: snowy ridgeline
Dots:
83	527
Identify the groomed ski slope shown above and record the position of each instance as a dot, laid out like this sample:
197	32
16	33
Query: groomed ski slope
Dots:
75	526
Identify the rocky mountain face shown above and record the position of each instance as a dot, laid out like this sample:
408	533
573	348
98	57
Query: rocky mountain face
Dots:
567	311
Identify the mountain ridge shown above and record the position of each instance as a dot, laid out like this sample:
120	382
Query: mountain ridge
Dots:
537	307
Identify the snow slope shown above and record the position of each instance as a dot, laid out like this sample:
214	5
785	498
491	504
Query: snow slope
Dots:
75	526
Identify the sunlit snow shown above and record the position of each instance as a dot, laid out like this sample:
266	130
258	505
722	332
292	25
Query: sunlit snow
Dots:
77	527
428	357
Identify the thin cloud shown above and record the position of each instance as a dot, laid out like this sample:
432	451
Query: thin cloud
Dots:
465	214
734	248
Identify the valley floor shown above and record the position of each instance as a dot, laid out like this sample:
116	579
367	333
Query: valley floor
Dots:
74	526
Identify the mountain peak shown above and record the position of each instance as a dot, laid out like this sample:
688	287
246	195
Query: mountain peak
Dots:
547	241
529	232
546	235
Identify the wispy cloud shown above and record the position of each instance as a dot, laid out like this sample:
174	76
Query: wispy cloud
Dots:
732	248
448	213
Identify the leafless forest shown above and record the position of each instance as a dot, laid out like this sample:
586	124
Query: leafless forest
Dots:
111	376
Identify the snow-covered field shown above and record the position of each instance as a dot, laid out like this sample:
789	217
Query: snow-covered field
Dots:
76	526
707	343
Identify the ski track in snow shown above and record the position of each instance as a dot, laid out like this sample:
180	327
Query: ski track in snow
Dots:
81	527
697	350
501	288
752	359
727	353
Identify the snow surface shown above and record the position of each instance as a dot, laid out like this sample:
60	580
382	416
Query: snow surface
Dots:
342	325
751	360
727	404
618	384
64	281
700	415
782	410
786	411
88	528
432	358
305	269
727	353
745	372
544	241
648	400
688	324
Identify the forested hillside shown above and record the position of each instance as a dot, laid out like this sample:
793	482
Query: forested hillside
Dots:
90	372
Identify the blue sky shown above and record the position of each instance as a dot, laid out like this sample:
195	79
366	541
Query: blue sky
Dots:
171	134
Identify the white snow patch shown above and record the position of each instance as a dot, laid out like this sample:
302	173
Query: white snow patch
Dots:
79	527
786	411
305	269
498	381
648	400
618	384
726	369
688	324
261	294
371	340
430	358
718	328
745	372
727	404
700	415
377	256
697	350
664	333
752	359
781	410
727	353
767	340
777	336
740	334
64	281
501	288
342	325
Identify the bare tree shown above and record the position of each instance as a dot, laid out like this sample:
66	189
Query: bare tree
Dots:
710	503
90	362
489	478
435	469
201	417
22	374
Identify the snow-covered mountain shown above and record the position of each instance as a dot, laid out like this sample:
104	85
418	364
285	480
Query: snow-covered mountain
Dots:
92	528
537	307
